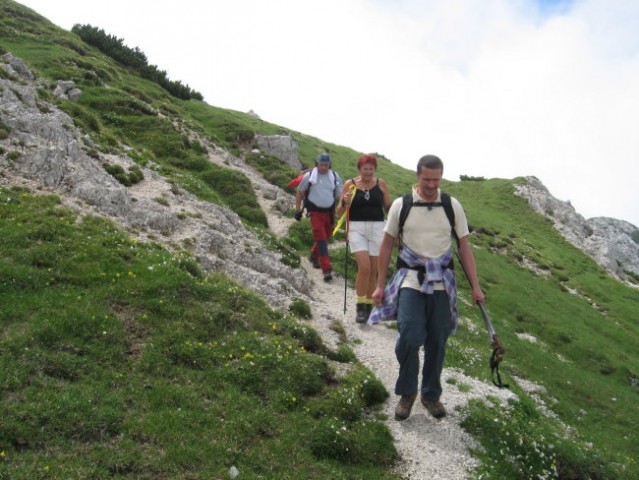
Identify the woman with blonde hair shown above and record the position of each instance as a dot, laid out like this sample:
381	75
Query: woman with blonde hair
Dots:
367	201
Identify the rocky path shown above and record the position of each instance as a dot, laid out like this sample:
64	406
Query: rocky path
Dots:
429	448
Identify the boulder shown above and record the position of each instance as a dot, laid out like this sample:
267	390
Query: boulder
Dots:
283	147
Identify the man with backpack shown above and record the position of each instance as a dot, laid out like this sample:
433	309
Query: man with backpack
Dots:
422	295
317	193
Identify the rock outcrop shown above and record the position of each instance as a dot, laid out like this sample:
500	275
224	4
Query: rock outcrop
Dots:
43	150
612	243
283	147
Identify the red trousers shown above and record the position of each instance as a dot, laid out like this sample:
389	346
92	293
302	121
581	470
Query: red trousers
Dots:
322	225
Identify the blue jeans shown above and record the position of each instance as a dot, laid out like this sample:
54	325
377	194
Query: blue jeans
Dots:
423	320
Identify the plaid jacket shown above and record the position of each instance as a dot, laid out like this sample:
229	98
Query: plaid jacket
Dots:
437	270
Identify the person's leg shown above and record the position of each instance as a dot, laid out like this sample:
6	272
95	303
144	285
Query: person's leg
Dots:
361	286
438	328
358	243
374	245
362	280
314	230
411	323
319	221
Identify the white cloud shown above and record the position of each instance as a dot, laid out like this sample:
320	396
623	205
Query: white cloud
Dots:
497	88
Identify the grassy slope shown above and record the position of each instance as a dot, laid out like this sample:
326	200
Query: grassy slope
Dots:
585	351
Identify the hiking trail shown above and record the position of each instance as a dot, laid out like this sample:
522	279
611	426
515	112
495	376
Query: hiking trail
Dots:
428	448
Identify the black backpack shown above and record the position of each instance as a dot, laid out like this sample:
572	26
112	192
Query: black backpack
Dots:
407	204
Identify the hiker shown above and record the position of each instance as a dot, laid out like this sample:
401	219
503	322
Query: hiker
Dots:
367	203
317	193
422	294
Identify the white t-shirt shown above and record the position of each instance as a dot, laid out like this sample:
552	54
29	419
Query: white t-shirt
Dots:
323	193
426	231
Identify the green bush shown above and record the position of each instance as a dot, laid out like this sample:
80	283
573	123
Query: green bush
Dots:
361	443
4	130
300	235
134	175
237	191
273	170
300	308
82	117
134	58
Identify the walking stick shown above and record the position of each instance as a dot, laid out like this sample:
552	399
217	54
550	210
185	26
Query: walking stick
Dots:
345	217
345	271
348	224
498	350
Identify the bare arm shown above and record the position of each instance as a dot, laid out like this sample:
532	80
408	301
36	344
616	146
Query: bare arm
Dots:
468	262
383	261
387	199
344	198
298	201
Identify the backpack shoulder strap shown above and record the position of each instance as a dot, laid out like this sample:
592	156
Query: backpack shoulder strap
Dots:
450	214
446	203
407	204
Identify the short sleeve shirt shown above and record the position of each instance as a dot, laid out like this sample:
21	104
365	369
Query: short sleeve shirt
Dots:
426	231
323	193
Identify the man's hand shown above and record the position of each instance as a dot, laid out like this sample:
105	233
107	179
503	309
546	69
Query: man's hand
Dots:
298	216
378	296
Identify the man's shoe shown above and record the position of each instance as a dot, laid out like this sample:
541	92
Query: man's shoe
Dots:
314	260
436	409
328	275
362	313
404	406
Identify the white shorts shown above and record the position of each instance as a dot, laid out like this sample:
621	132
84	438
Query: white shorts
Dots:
366	237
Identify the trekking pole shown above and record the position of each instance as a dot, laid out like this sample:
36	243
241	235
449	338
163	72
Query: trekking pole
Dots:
348	224
345	272
498	350
345	217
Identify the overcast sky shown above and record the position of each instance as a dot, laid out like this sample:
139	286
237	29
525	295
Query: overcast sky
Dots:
496	88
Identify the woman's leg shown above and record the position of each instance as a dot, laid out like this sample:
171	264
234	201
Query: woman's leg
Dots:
362	280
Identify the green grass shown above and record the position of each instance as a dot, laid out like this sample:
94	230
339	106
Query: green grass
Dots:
584	355
120	360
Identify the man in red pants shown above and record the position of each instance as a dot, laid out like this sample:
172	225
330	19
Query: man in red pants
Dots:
317	193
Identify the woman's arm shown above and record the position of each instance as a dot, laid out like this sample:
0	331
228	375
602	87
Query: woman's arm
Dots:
387	200
344	197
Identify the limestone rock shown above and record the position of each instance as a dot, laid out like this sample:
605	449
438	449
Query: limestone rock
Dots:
52	159
283	147
612	243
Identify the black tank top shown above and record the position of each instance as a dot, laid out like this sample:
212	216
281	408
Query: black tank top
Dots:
368	210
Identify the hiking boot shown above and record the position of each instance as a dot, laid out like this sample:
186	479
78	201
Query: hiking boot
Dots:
436	409
369	309
314	261
404	406
362	313
328	275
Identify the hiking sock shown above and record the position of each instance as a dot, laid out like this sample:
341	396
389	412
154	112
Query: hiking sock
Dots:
369	306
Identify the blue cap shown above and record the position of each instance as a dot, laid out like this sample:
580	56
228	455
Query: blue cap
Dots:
323	158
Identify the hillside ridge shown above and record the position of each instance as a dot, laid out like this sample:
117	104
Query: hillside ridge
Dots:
53	160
